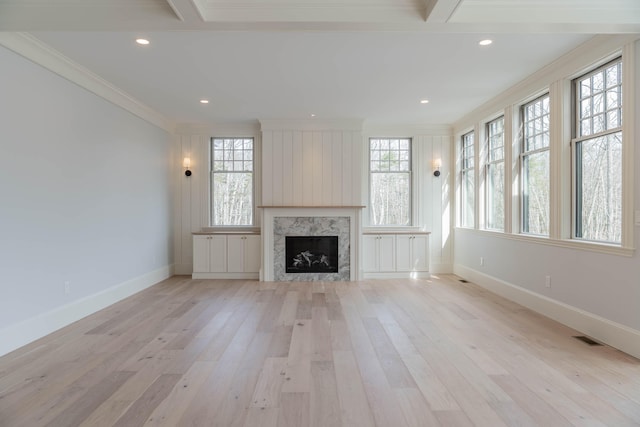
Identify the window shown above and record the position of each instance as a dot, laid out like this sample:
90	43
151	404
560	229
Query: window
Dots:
494	186
597	146
534	166
231	181
390	181
467	180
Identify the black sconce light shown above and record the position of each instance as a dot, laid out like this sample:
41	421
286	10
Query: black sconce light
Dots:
186	163
436	167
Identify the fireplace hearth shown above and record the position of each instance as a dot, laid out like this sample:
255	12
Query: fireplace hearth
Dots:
311	254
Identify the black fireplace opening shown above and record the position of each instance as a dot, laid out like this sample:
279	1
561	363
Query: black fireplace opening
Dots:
311	254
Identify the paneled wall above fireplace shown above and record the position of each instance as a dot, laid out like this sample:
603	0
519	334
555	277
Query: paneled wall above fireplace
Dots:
312	163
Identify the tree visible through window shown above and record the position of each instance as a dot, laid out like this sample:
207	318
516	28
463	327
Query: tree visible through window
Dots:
598	154
231	181
467	194
390	184
535	166
495	175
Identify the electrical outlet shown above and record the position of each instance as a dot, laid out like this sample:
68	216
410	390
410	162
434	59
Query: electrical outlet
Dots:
67	288
547	281
481	260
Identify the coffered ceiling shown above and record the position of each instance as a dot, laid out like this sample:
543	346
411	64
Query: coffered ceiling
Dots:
368	59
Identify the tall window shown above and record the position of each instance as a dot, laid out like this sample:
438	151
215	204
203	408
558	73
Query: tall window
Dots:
495	175
231	181
597	148
467	176
535	166
390	183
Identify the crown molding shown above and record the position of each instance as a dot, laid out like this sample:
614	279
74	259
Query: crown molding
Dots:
34	50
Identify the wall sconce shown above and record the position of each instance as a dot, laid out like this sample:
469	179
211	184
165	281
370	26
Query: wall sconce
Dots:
186	163
436	163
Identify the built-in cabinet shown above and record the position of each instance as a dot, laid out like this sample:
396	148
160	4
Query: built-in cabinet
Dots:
412	252
226	256
378	253
243	254
209	254
239	256
387	255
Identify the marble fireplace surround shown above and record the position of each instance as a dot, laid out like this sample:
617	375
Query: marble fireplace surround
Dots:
281	221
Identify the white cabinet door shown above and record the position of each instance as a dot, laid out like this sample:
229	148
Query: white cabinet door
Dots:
412	253
378	253
243	254
386	253
201	254
235	254
217	254
369	253
252	254
209	254
404	258
420	253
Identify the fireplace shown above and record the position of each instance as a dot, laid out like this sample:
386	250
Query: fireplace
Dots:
311	254
280	222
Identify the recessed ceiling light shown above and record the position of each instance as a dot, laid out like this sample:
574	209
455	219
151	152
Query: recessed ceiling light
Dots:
424	101
313	115
485	42
143	42
204	101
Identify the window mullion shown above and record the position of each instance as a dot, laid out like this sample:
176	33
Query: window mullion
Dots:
597	135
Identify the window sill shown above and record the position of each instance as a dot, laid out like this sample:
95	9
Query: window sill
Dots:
563	243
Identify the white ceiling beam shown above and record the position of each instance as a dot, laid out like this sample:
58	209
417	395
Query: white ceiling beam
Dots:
440	10
189	11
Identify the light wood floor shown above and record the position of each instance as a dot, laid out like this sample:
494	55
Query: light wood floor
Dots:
375	353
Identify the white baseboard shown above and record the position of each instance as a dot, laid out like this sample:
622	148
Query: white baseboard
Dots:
616	335
246	276
398	275
20	334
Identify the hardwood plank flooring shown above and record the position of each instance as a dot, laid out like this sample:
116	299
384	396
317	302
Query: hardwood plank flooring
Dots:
387	353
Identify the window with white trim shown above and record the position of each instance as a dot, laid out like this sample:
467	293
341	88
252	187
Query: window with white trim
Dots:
390	181
597	154
467	180
231	181
494	175
534	166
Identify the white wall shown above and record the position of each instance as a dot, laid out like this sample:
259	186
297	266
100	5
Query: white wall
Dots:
596	293
84	198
